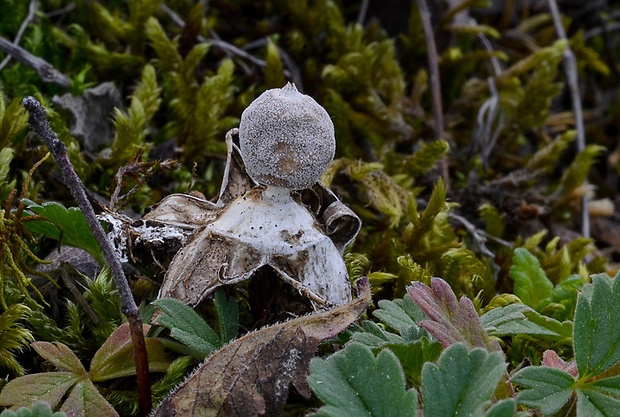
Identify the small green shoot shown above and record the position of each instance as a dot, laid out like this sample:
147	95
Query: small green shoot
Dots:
187	327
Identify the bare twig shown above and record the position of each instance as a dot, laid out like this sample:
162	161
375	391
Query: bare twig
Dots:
435	82
46	71
361	17
477	235
229	48
570	69
39	123
63	10
32	9
489	112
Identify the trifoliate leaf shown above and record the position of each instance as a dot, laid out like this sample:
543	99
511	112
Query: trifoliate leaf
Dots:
545	388
354	383
463	380
450	321
65	224
187	327
596	331
531	283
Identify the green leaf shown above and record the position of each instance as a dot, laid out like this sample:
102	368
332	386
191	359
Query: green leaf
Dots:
6	156
591	403
493	220
86	401
450	320
463	380
60	356
375	336
274	70
14	337
227	315
115	358
414	355
67	225
545	388
531	283
518	318
596	330
401	315
577	172
13	120
504	408
50	387
169	58
599	398
187	327
545	159
352	382
427	156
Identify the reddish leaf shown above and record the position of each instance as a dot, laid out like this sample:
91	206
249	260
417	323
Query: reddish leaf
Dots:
115	358
451	321
552	359
50	387
85	401
251	375
60	356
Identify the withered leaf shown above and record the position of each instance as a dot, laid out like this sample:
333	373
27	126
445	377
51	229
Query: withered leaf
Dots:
251	375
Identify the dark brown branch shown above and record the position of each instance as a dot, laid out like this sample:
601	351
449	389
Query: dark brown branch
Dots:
572	79
46	71
435	82
38	122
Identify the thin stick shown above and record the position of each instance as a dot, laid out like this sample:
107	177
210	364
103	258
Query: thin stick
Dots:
46	71
232	49
435	82
570	69
361	17
38	122
32	9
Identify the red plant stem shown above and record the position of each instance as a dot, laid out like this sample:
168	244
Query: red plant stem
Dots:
39	123
435	83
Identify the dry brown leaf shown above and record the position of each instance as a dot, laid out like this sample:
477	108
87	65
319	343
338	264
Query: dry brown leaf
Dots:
251	375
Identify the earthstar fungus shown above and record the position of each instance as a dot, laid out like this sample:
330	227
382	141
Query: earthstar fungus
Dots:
272	217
